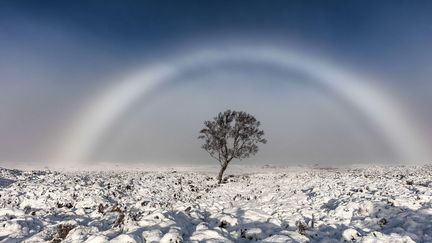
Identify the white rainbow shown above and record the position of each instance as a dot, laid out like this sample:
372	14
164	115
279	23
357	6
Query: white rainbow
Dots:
97	118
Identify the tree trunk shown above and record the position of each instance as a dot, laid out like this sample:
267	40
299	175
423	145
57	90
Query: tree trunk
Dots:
223	168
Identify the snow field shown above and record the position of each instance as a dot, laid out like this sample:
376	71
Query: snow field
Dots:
371	204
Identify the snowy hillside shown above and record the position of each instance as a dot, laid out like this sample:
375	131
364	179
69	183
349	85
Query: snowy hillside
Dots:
375	204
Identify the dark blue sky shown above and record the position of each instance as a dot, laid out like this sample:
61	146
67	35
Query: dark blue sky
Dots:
55	55
364	29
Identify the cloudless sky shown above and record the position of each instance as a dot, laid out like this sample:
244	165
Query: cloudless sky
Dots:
55	56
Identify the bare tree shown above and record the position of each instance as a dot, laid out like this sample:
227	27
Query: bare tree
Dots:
231	135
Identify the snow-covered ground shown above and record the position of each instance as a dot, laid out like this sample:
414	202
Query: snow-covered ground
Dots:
371	204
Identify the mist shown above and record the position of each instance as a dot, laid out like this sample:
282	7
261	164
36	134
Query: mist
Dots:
56	60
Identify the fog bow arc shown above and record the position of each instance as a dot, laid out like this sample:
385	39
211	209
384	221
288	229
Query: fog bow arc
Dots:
383	113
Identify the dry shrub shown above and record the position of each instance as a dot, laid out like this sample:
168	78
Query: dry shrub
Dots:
62	231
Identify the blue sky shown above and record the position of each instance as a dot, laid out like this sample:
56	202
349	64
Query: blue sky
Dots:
57	56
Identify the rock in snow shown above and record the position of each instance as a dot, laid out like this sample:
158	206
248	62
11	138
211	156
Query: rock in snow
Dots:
369	204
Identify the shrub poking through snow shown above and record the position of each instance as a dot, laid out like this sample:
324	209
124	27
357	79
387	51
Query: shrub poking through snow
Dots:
27	209
223	224
120	218
302	227
101	208
62	231
382	222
